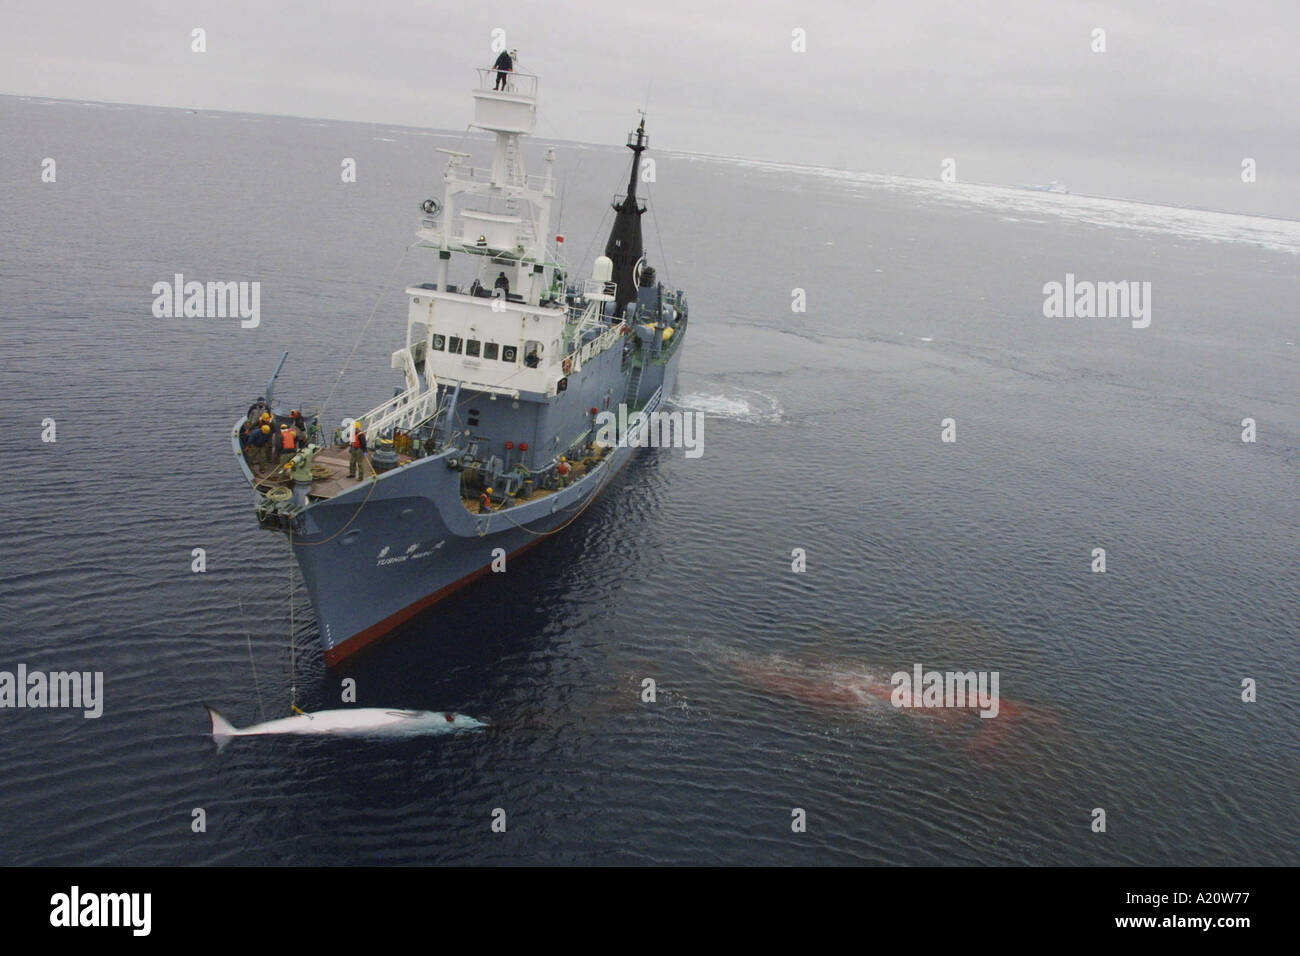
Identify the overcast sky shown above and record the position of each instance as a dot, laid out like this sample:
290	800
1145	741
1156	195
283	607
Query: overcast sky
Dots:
1010	89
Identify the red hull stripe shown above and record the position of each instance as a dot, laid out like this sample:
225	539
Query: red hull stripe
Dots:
341	652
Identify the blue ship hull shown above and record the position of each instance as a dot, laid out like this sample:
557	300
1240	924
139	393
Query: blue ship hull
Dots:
393	546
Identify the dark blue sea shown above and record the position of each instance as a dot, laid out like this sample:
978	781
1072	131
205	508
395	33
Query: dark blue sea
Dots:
1122	690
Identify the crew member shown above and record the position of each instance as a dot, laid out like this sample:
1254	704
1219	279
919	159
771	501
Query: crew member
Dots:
504	64
258	441
264	425
300	470
299	425
502	283
256	409
357	454
288	440
485	502
562	470
532	359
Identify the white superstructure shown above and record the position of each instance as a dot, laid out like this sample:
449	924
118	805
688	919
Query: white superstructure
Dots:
514	326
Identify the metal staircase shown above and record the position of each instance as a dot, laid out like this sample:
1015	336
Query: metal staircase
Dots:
634	383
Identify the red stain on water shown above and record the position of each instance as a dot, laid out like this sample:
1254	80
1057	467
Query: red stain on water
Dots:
853	691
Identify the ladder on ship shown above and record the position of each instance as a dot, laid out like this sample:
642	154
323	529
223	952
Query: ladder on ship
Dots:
634	385
515	177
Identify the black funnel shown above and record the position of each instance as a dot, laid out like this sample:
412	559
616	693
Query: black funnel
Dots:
624	247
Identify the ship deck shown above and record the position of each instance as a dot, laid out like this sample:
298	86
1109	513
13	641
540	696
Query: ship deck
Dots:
335	480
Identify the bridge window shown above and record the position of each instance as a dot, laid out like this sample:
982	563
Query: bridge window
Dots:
440	342
490	350
533	353
454	345
472	347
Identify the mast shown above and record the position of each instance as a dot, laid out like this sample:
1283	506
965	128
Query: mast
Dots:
624	247
501	213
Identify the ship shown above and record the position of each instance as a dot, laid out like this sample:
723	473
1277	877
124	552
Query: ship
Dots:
498	434
1052	187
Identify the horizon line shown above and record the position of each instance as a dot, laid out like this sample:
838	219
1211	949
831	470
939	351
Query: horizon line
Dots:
471	130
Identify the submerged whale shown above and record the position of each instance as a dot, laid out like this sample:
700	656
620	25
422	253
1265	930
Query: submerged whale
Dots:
353	722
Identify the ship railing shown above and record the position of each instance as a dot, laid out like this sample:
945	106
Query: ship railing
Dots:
524	84
619	198
592	287
666	349
403	411
600	343
581	320
582	305
483	174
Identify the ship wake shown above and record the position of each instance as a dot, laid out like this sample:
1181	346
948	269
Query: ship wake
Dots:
739	405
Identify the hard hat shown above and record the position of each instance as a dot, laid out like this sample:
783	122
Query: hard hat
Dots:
284	427
266	416
294	412
489	491
266	429
562	458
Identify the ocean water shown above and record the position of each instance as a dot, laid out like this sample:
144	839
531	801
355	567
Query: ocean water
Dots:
924	302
